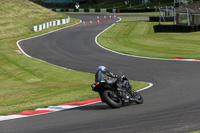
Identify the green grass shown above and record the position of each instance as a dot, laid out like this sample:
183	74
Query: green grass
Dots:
139	13
157	3
133	18
138	38
195	132
27	83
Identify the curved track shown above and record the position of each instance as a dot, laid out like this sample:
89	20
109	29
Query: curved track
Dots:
171	105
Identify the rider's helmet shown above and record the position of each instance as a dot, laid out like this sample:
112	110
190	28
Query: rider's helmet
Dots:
101	68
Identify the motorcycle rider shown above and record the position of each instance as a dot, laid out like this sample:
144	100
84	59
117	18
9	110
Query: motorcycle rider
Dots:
102	74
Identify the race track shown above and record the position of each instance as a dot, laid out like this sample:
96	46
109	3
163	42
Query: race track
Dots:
170	106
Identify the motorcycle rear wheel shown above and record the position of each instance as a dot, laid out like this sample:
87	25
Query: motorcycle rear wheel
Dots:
111	100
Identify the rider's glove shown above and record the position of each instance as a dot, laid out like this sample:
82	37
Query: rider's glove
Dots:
123	76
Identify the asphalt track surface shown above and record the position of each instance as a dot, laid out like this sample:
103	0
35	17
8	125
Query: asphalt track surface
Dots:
170	106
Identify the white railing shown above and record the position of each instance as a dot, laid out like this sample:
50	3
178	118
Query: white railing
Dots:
46	25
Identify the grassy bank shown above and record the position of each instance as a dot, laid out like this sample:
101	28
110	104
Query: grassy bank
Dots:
138	38
27	83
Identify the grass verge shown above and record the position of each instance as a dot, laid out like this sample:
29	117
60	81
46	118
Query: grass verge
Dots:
138	38
195	132
133	18
27	83
139	13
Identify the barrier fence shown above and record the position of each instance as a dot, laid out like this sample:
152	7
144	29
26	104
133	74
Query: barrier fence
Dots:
176	28
50	24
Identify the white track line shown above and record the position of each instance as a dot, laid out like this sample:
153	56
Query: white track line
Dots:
24	53
9	117
150	85
96	40
40	36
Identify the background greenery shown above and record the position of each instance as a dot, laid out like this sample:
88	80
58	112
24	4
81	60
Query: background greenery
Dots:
120	4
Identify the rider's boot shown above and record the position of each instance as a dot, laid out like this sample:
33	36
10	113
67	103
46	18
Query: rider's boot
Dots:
133	92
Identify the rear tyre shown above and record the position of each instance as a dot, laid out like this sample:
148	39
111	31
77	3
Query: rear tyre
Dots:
112	100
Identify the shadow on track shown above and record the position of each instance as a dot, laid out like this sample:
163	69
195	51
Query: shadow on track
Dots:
103	106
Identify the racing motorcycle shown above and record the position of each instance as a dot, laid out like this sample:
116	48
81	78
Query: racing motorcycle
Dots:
118	93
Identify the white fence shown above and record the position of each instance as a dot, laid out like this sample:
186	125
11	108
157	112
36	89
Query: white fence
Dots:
49	24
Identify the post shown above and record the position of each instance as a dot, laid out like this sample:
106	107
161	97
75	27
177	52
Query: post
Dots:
174	3
159	16
188	19
166	12
174	15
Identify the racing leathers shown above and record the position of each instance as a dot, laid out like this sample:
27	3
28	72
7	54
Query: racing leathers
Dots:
104	76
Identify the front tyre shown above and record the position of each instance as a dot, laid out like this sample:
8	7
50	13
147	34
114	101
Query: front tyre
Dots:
112	100
138	98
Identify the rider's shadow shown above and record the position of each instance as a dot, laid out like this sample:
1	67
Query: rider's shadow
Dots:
102	107
95	107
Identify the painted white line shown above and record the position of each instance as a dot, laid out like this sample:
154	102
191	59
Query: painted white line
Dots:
63	107
48	109
9	117
150	85
96	40
40	36
22	49
119	19
57	108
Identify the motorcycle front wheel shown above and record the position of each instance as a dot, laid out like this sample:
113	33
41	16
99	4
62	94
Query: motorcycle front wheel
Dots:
111	99
138	98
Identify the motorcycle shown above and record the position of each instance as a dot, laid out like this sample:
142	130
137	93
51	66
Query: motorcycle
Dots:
117	94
